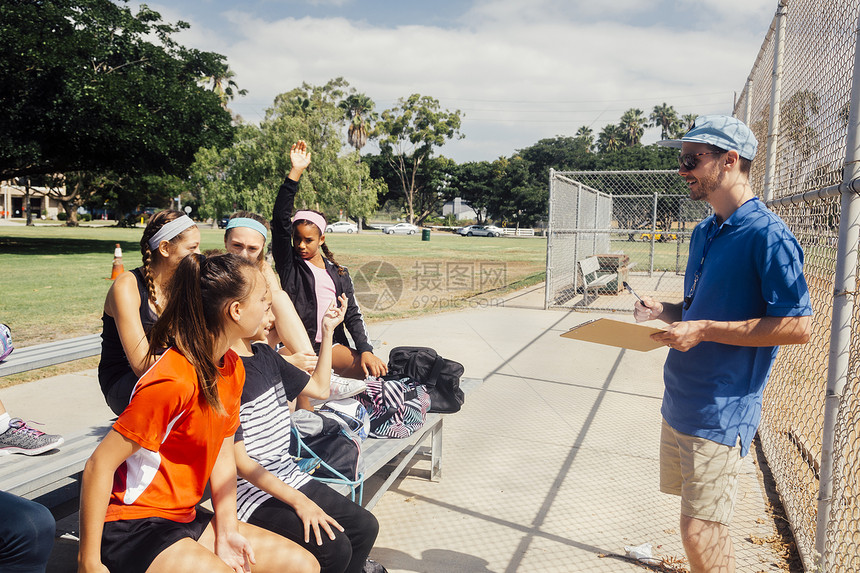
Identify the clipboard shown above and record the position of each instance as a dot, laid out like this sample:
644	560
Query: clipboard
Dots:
615	333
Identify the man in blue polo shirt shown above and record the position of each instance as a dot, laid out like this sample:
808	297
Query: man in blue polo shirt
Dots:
744	295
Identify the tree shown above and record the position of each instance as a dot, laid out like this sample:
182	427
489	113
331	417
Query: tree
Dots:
633	123
559	153
795	116
685	125
248	174
473	182
407	135
611	138
88	86
358	109
586	135
665	117
517	199
222	84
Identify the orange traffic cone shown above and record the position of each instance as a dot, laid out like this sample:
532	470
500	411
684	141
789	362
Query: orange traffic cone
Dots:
117	263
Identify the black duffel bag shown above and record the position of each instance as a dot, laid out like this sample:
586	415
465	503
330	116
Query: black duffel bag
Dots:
439	375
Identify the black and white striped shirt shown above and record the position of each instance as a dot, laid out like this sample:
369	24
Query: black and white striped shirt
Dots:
270	383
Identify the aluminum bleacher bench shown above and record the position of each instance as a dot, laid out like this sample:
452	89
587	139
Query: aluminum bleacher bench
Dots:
591	278
51	353
53	477
378	453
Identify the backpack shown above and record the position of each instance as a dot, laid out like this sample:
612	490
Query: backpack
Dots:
397	406
6	347
350	413
326	438
439	375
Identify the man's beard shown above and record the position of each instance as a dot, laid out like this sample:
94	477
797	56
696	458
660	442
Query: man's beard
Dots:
706	185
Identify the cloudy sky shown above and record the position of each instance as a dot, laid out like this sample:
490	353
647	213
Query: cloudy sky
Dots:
519	70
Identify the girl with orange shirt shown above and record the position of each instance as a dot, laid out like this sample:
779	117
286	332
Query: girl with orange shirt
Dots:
142	483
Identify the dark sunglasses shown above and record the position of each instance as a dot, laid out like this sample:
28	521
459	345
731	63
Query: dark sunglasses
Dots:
689	160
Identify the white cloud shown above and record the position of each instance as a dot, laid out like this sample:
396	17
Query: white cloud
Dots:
518	70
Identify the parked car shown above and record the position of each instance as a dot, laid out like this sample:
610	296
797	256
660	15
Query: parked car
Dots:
341	227
660	236
480	231
222	222
402	229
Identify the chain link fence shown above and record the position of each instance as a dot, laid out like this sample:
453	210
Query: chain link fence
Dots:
801	101
637	224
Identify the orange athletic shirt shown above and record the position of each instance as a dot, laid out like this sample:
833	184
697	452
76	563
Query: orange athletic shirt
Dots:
180	438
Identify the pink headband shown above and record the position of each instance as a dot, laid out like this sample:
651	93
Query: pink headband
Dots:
314	218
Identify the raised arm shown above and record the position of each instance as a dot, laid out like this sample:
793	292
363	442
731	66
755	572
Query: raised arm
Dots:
319	386
282	240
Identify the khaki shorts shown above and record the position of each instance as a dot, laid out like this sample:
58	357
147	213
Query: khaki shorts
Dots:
704	473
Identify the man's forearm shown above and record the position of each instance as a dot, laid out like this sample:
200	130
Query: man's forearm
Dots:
671	312
766	331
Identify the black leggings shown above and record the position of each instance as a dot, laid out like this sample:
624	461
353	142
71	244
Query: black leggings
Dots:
348	551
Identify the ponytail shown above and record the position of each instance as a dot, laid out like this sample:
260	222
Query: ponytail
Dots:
156	222
330	256
201	292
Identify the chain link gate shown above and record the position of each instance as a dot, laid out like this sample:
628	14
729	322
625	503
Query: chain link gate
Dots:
637	224
801	100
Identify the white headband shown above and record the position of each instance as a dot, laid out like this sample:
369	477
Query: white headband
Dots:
170	230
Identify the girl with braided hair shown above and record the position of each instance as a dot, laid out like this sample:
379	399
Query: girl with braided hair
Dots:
136	299
313	280
142	483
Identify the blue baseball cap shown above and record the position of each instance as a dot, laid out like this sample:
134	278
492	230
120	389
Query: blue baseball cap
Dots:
723	131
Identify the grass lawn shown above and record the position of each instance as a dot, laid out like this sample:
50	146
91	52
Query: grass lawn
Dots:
54	278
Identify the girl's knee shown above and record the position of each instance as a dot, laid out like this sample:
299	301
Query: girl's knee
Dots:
334	554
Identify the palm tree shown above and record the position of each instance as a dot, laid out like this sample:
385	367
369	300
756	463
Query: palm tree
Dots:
633	123
611	138
358	109
665	117
224	86
686	124
586	134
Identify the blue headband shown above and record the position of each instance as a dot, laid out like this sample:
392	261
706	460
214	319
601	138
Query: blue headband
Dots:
250	223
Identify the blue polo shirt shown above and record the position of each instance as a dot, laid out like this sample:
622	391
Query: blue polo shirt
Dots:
753	267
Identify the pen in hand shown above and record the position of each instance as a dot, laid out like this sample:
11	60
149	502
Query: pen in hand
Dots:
633	292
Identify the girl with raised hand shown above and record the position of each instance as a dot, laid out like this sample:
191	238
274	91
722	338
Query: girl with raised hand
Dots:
312	278
135	300
246	236
277	494
141	484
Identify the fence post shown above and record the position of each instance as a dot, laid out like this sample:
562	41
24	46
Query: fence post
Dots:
775	94
576	239
653	234
549	228
748	101
843	306
596	219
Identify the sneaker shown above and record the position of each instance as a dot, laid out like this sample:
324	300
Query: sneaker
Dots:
371	566
342	388
22	439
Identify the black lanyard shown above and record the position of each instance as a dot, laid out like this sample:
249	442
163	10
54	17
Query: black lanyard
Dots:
713	231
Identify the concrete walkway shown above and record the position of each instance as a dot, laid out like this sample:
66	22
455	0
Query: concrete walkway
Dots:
551	466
